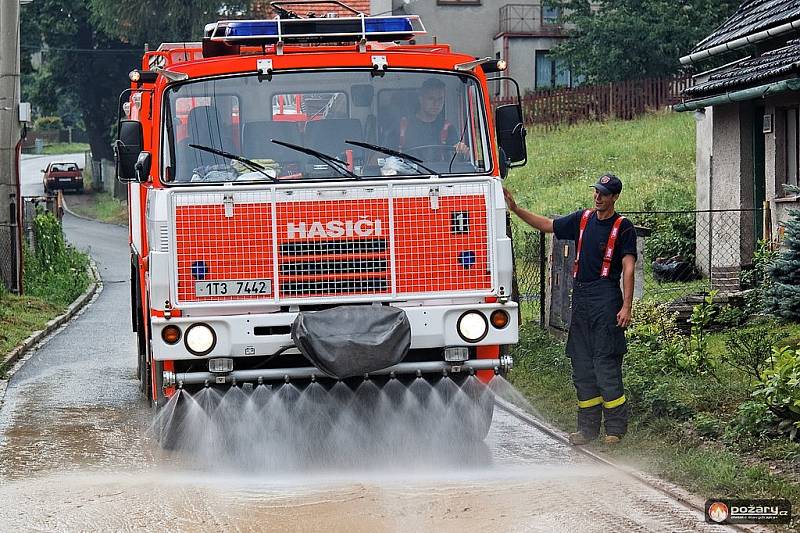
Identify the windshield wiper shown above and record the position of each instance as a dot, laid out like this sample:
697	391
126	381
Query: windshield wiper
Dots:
336	164
389	151
252	165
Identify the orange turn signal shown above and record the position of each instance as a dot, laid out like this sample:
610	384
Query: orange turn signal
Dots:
499	319
171	334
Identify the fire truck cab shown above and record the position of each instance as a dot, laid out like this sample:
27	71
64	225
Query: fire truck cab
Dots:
317	199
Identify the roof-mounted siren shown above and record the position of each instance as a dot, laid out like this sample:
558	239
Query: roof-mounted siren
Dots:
227	36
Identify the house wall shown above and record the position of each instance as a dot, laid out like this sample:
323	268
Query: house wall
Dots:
520	53
725	241
780	201
467	28
703	163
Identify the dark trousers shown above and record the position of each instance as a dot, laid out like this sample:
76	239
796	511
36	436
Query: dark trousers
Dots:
596	346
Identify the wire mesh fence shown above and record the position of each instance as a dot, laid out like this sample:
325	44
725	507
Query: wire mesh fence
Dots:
682	255
530	256
689	253
8	257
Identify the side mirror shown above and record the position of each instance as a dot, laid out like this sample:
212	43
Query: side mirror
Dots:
142	166
511	134
503	163
127	147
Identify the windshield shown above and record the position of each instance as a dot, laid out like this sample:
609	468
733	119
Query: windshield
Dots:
330	125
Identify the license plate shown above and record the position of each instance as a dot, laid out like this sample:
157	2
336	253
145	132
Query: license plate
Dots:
233	287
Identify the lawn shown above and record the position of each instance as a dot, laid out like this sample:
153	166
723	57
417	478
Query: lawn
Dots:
654	156
65	148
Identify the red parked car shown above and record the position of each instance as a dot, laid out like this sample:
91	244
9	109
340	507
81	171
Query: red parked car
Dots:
64	176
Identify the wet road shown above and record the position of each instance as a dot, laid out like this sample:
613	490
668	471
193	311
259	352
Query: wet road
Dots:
75	455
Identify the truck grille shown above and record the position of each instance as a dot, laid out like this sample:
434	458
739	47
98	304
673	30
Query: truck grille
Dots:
379	241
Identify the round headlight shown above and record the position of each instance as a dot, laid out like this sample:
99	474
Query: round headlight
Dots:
472	326
200	339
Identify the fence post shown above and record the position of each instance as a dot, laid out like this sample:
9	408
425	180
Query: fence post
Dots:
710	249
542	275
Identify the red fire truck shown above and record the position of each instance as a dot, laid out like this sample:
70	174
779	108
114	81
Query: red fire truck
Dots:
317	199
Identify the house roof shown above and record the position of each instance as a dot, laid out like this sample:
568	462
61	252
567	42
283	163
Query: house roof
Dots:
772	66
753	16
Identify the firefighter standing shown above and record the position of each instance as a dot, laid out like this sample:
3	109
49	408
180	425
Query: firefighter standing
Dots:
606	250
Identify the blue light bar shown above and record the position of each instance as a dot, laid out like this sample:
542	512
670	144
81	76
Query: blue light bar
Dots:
393	28
252	28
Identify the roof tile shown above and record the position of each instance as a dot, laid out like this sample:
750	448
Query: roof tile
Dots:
751	17
774	65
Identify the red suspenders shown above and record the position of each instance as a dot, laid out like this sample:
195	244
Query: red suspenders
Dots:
609	253
587	214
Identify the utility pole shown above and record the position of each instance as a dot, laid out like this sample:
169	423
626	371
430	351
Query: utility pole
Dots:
10	201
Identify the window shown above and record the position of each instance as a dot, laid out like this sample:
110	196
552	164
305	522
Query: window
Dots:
792	152
550	15
551	72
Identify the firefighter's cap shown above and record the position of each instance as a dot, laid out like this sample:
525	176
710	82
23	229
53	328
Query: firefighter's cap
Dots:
608	184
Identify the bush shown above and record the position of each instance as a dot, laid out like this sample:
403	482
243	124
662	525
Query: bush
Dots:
54	271
48	124
671	237
707	425
758	277
752	419
750	350
779	389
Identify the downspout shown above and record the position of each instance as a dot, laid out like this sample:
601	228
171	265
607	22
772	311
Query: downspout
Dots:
753	93
20	207
741	42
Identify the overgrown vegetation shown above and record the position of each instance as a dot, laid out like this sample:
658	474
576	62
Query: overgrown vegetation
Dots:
55	274
54	271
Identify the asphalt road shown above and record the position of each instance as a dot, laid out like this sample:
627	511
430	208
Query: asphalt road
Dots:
76	454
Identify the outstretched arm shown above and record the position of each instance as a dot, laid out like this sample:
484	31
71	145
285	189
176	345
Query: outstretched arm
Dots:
537	221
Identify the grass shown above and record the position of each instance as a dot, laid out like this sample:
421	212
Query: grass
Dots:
19	317
65	148
654	156
103	207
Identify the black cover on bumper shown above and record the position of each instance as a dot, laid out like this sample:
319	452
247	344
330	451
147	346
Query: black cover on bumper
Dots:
352	340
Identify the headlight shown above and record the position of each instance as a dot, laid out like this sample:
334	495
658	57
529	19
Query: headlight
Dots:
200	339
472	326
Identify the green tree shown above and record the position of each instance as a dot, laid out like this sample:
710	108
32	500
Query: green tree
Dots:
157	21
617	40
783	296
89	46
80	64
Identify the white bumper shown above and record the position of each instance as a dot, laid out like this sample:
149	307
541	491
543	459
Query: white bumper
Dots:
431	327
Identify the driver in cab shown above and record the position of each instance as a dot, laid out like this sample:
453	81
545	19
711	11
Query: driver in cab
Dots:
426	133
